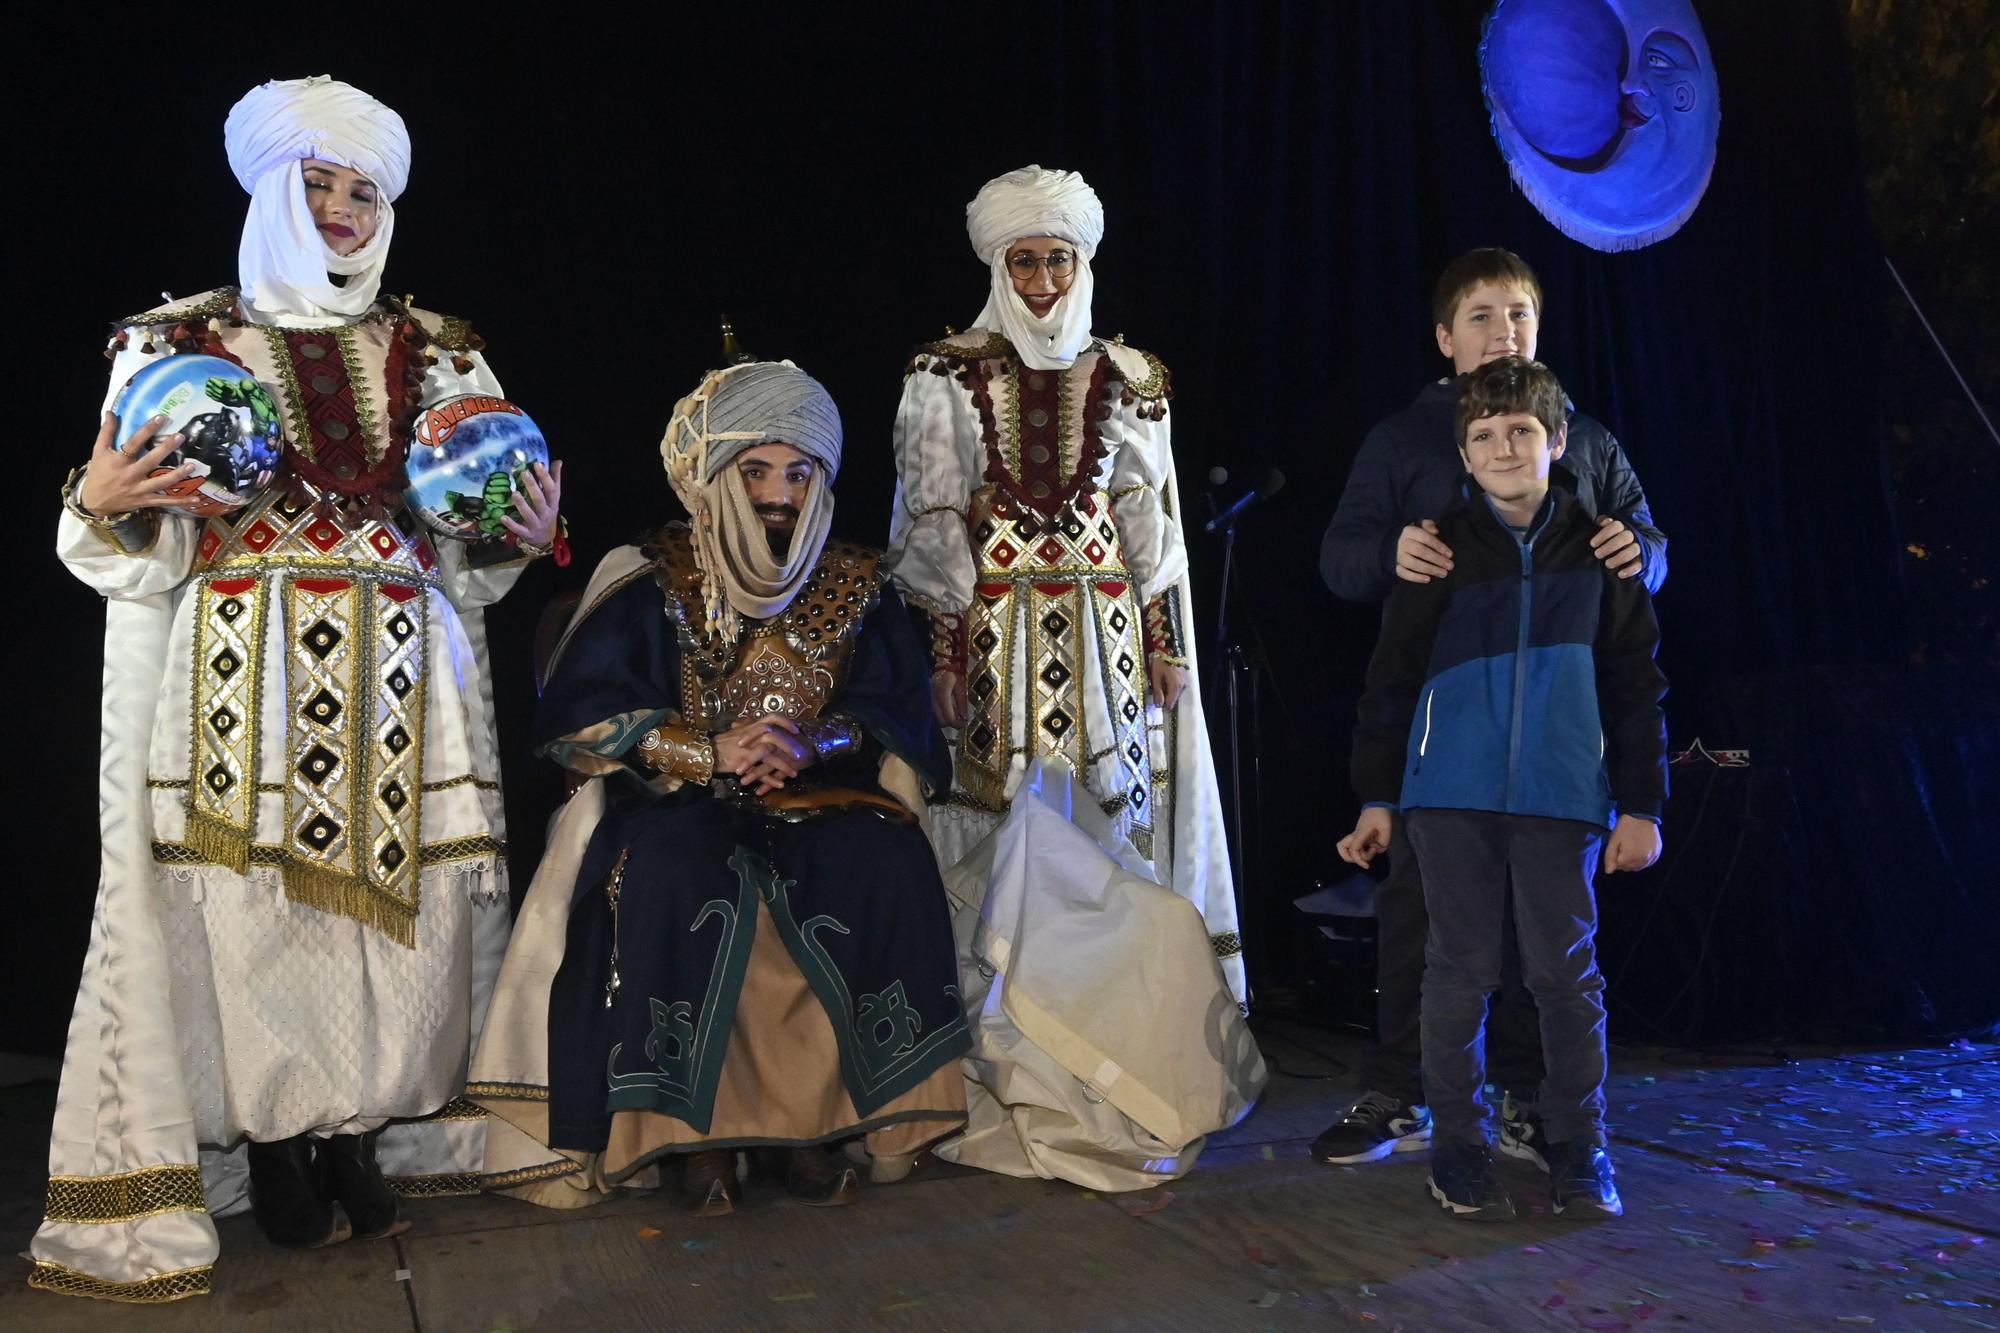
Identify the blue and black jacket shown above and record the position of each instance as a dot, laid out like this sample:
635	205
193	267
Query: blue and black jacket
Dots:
1524	683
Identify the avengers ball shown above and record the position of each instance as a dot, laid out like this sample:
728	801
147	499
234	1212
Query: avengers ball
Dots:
467	457
228	422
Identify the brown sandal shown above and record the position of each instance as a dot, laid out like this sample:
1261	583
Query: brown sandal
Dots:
708	1182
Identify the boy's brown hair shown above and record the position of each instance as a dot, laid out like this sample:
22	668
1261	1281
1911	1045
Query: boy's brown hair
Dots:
1511	384
1486	264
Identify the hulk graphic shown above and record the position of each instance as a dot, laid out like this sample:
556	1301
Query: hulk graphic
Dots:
495	502
216	439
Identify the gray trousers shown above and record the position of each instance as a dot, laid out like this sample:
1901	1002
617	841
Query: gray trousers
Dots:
1467	857
1394	1064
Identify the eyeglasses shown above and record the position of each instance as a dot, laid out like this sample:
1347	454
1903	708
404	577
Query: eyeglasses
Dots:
1060	264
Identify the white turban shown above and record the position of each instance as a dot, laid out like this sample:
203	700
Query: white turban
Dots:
1037	202
284	263
733	410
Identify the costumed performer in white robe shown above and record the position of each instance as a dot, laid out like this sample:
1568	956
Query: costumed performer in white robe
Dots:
1037	522
303	899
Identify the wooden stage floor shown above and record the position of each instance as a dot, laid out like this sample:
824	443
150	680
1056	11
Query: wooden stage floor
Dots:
1837	1190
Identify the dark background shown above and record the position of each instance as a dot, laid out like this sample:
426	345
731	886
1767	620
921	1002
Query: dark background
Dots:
1282	182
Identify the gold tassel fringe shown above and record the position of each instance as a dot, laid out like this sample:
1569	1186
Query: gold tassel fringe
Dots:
217	843
343	895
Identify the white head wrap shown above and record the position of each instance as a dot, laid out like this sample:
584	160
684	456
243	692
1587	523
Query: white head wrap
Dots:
1037	202
734	409
283	262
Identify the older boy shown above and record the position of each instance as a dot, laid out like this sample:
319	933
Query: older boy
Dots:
1513	715
1487	305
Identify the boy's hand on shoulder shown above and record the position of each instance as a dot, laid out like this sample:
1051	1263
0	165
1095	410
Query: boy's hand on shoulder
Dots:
1420	556
1634	844
1369	839
1618	547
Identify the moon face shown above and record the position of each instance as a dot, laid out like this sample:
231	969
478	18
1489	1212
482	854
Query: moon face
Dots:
1607	113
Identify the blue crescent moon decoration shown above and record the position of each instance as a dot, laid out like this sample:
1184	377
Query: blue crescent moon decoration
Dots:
1607	112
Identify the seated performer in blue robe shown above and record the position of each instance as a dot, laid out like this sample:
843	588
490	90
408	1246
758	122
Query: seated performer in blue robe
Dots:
755	947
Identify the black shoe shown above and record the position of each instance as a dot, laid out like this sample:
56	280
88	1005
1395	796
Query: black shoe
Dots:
1521	1133
1580	1180
1463	1183
708	1182
1372	1128
286	1197
350	1176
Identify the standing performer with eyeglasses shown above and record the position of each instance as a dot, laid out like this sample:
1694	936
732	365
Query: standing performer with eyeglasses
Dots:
1037	525
303	898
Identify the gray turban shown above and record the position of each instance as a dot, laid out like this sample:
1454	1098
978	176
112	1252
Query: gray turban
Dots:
733	410
768	402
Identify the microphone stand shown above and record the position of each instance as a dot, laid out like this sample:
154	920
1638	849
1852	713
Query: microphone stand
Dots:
1240	664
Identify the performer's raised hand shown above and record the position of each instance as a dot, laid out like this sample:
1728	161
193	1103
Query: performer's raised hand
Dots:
1369	839
120	481
948	698
1618	547
1167	680
1634	844
1420	556
537	501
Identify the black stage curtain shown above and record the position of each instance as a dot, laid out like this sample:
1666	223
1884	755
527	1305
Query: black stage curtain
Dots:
1283	181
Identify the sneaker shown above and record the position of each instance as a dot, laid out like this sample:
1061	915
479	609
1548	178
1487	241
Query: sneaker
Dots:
1521	1132
1372	1128
1463	1183
1580	1180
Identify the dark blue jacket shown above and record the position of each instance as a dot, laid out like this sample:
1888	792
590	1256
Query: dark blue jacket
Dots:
1409	469
1523	684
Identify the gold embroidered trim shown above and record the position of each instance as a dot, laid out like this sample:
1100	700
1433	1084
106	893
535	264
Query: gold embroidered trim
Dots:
453	333
1124	491
461	849
127	1196
220	302
356	690
1156	383
1226	945
443	1185
263	854
226	717
528	1175
513	1092
463	780
351	567
166	1287
994	347
295	402
364	404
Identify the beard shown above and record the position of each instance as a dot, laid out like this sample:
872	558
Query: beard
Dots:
779	538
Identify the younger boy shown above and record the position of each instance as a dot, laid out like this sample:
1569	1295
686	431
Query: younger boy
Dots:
1512	716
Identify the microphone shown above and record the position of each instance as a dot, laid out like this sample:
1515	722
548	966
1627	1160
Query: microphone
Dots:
1217	475
1269	482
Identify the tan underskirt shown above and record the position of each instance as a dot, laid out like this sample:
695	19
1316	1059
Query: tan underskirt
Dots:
780	1081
